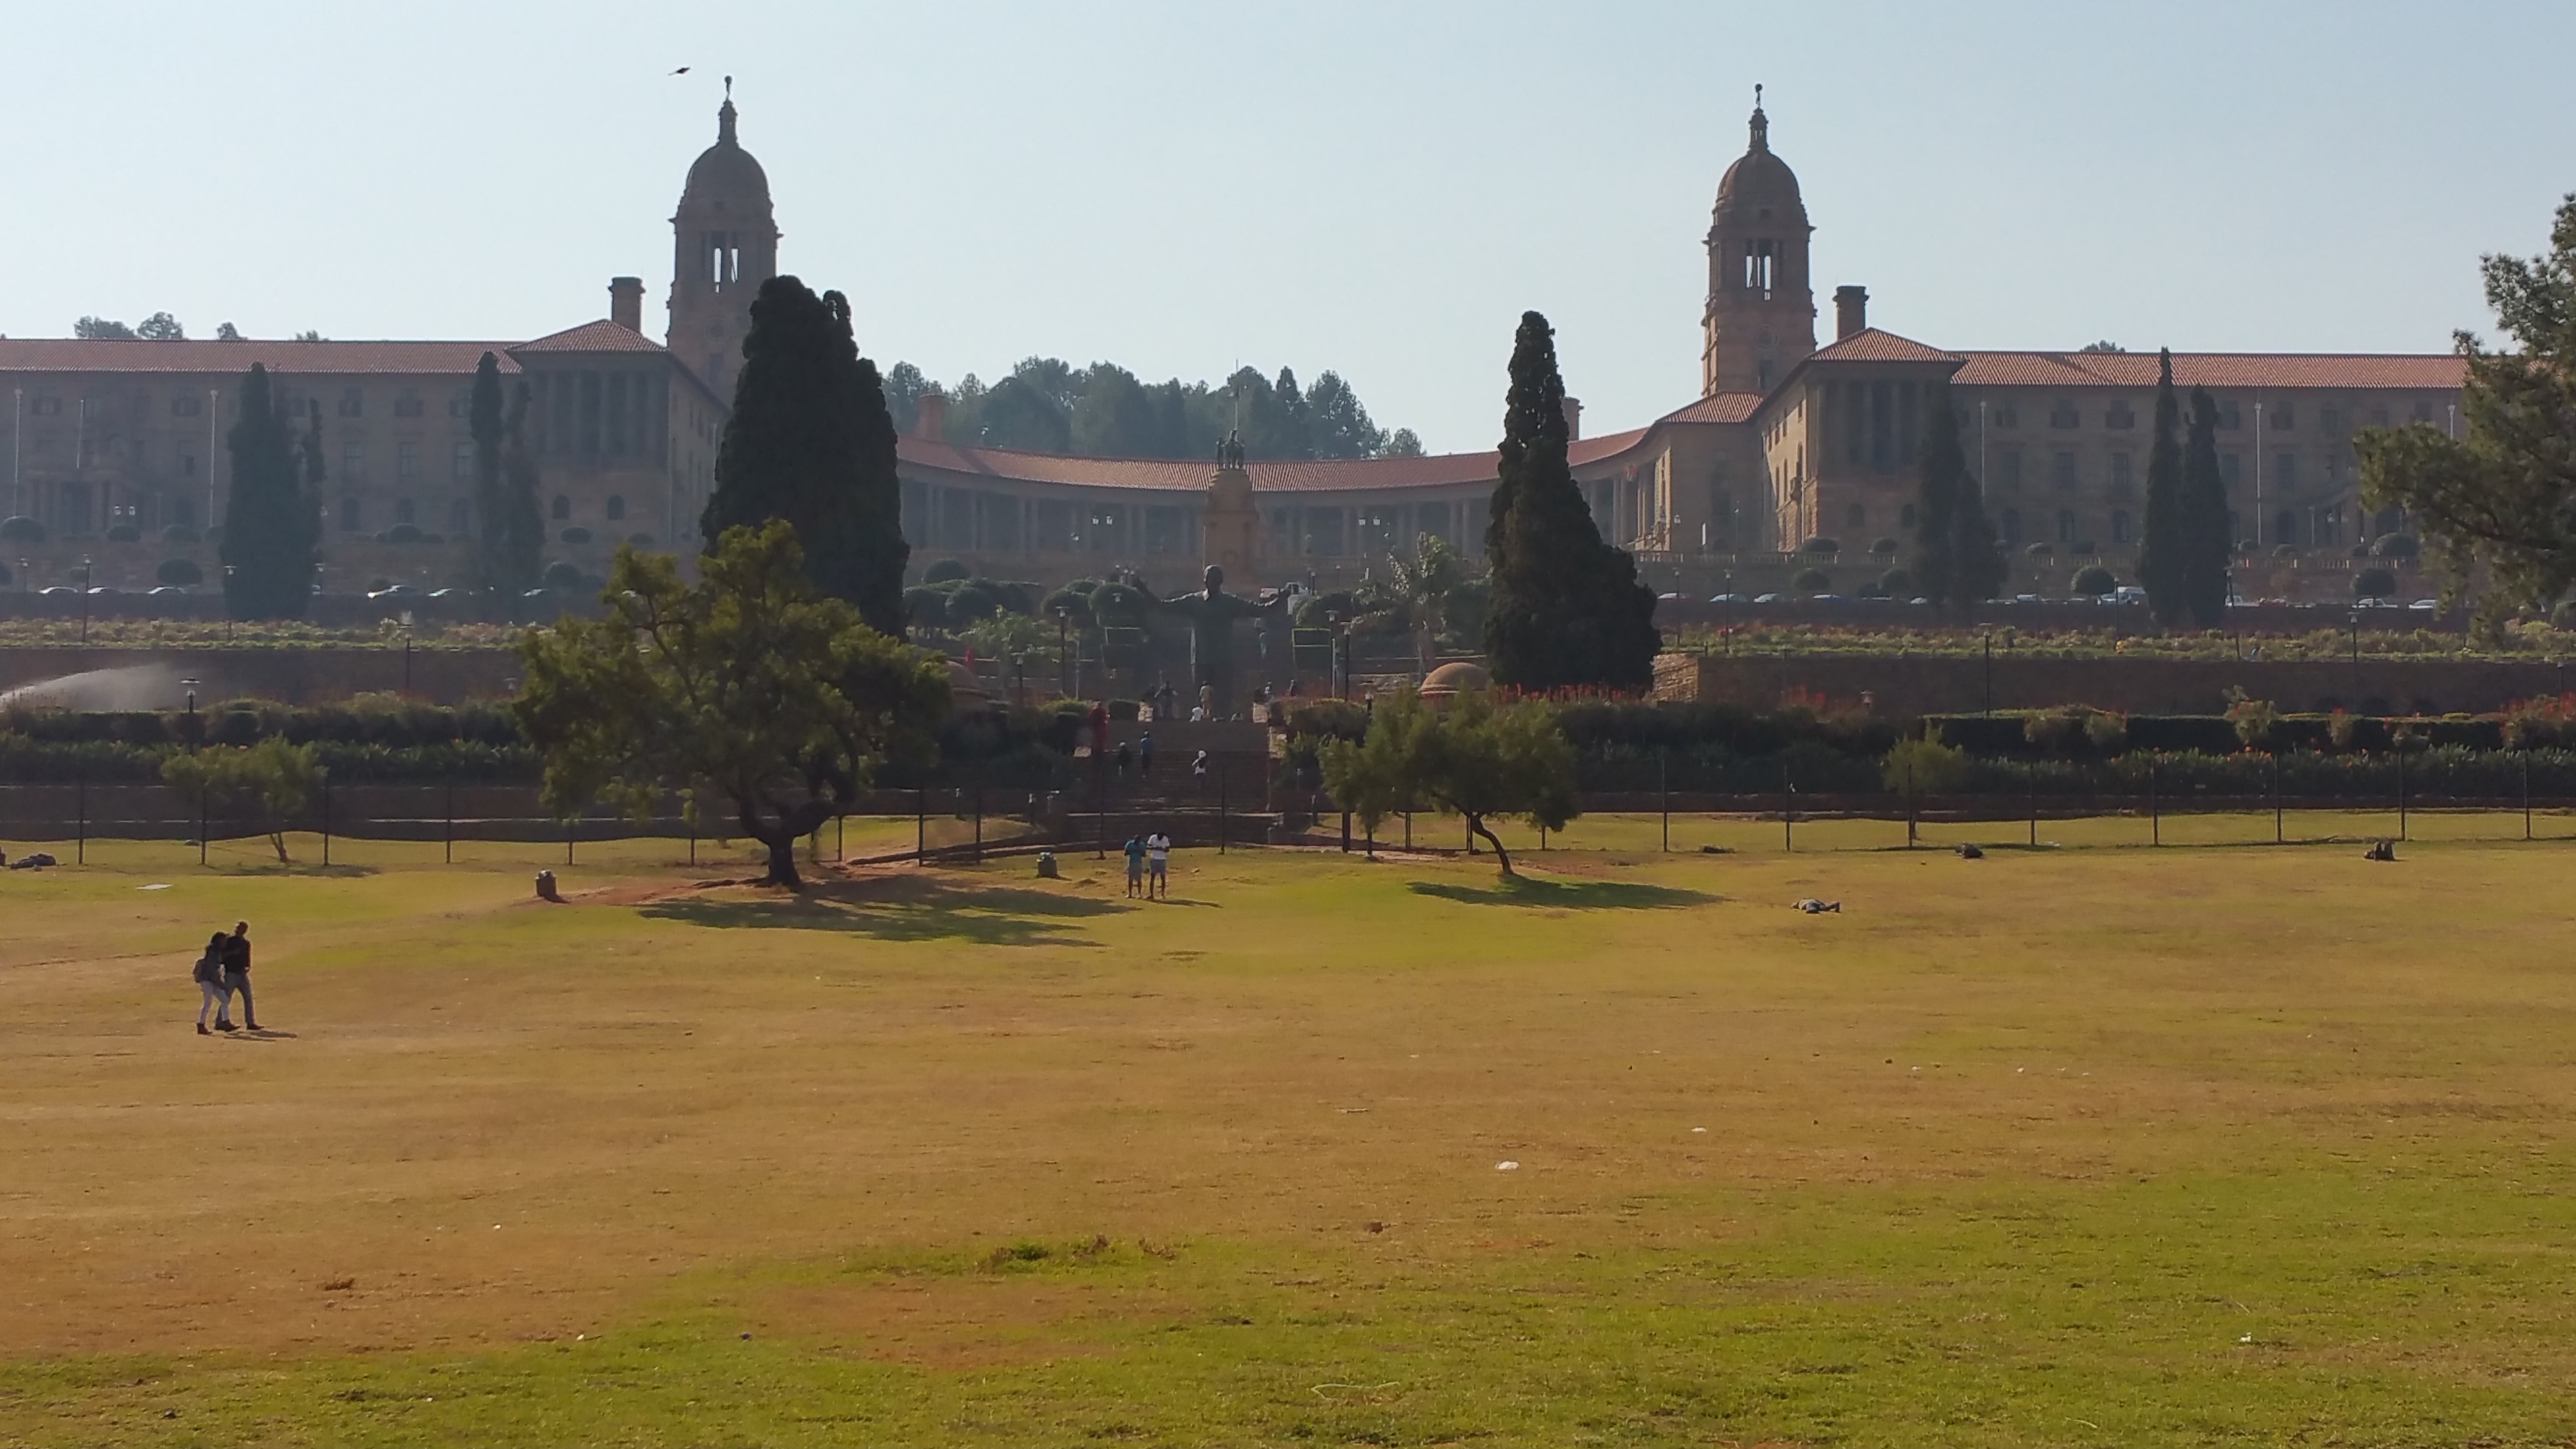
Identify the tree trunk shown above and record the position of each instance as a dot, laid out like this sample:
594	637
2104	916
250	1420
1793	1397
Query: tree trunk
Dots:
1476	826
782	861
277	842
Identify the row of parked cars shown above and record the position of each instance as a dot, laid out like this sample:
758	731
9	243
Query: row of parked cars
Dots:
2114	599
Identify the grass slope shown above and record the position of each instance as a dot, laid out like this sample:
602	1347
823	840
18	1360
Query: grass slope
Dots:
2096	1145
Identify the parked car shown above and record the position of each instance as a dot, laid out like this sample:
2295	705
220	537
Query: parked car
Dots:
58	591
2128	594
394	591
168	591
1767	598
102	591
1728	599
451	593
2425	605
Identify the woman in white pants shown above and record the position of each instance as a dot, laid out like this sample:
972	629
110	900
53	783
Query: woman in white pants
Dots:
209	977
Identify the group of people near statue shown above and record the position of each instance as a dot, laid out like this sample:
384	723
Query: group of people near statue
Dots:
222	973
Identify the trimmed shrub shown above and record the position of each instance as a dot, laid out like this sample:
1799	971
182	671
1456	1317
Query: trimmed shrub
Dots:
402	533
2374	583
1820	544
946	571
2395	545
925	607
2093	581
182	572
2285	550
1897	583
1811	581
1926	766
1882	548
22	529
562	574
2041	549
575	536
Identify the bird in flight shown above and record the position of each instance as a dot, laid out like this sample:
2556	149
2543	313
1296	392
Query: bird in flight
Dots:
684	70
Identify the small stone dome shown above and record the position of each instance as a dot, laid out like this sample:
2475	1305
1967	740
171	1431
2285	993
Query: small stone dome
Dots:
1455	678
1758	177
724	171
965	690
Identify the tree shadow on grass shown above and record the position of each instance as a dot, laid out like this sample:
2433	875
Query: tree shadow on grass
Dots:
1584	895
901	909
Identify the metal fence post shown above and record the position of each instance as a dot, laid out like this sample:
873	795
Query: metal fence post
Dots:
1909	804
1220	807
2401	789
1663	797
2276	799
2030	778
80	826
920	824
326	820
451	822
2155	809
2526	796
201	823
1788	809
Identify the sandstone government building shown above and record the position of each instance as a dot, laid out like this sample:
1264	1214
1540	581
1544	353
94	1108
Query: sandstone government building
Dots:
1785	440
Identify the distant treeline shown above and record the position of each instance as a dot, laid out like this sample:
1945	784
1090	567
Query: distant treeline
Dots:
1047	405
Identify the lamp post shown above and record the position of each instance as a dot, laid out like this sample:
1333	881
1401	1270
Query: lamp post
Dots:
1063	660
85	571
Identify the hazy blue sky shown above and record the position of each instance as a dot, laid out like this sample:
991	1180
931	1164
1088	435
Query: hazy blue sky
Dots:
1378	188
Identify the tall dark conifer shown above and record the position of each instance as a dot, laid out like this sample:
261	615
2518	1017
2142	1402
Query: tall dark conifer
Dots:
1957	561
810	441
1566	607
272	519
2164	553
508	539
2206	547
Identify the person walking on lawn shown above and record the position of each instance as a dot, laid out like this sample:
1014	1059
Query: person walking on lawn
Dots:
1135	867
209	977
237	972
1158	863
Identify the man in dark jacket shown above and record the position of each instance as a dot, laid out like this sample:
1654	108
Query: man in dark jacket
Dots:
237	972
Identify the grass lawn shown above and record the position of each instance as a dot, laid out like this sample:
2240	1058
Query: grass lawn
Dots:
2092	1145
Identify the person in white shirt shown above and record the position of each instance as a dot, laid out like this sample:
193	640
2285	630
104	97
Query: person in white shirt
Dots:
1158	861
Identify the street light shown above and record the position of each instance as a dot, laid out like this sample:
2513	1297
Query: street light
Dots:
85	572
191	686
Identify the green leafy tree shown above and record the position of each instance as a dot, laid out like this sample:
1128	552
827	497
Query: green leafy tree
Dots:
1566	609
1479	760
272	780
748	686
810	441
102	329
273	514
2205	544
2163	554
1958	561
2499	504
161	327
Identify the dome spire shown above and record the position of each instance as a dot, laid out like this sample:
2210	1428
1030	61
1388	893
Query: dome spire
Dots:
1761	123
724	117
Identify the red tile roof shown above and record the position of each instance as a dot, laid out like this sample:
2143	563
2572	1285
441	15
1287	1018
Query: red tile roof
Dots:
1871	344
2429	371
600	336
1336	475
78	354
1724	407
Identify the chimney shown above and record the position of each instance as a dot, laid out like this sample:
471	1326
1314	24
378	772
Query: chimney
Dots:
1573	418
1851	311
626	302
930	416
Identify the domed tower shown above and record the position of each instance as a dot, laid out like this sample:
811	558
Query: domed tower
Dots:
725	244
1761	316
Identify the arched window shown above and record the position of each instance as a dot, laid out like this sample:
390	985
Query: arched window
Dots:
2066	525
562	509
2119	525
616	507
2285	526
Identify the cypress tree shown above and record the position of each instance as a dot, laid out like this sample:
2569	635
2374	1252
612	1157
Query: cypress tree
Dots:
1976	554
2163	554
2206	547
508	535
810	441
1936	501
1566	607
272	518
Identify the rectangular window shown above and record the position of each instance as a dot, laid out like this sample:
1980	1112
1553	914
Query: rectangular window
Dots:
2065	472
2008	469
2285	471
187	405
2230	416
2231	467
353	403
407	462
353	462
2281	417
2119	416
2329	419
463	467
45	407
2062	415
460	405
2120	475
2005	417
407	404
